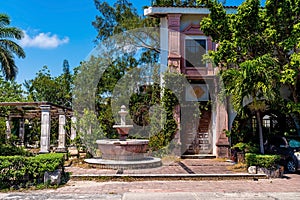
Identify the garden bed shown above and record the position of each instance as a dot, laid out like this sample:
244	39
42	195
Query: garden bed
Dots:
20	171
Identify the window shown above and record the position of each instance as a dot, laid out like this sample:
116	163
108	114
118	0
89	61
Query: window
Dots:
267	121
194	51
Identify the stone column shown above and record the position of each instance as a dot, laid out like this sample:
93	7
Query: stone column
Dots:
73	127
45	129
174	57
8	128
222	142
21	131
174	65
61	132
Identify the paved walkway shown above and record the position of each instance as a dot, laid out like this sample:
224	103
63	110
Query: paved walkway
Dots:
285	188
184	166
290	183
280	188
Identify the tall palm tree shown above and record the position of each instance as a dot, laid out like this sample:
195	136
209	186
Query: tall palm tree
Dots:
9	48
254	80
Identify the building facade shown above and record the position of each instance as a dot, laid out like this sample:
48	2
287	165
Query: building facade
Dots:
182	45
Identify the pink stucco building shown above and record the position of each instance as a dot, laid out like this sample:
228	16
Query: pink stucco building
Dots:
183	44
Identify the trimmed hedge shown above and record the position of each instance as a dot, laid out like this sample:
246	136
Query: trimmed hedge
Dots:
265	161
22	171
10	150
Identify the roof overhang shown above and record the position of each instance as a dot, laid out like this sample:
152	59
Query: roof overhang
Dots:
162	11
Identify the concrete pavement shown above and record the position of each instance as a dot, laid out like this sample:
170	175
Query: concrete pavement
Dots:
160	196
279	188
211	196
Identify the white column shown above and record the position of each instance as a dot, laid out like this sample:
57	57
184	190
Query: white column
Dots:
164	48
61	132
73	127
8	129
45	129
21	131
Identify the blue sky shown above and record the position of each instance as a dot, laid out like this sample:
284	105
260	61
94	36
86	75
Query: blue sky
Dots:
56	30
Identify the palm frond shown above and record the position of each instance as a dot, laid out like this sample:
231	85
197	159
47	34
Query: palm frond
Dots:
11	32
9	48
8	66
4	20
12	46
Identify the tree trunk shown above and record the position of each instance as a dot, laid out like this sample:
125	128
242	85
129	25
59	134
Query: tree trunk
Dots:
260	132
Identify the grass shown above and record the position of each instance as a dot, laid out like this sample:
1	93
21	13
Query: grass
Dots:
221	159
239	167
166	160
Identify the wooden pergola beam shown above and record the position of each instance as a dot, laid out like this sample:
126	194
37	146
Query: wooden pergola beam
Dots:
31	108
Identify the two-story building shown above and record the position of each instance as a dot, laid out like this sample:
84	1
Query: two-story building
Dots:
182	45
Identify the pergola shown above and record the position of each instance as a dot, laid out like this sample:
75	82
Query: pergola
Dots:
45	111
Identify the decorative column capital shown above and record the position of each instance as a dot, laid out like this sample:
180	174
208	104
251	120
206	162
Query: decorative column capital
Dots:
174	21
45	108
61	111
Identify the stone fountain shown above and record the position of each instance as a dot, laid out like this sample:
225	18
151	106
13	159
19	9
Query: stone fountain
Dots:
124	153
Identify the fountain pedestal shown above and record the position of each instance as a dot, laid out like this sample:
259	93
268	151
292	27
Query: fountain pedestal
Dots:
124	153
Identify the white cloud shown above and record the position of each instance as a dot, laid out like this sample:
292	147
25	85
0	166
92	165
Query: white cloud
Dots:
43	40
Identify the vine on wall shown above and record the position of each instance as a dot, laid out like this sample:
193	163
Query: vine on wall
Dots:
173	89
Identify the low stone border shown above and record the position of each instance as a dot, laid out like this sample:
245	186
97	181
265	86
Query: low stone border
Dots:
149	162
166	177
271	173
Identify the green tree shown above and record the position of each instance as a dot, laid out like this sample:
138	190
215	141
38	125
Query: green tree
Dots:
56	90
255	80
114	19
257	37
178	2
283	31
9	48
118	26
65	80
10	91
121	17
121	21
42	87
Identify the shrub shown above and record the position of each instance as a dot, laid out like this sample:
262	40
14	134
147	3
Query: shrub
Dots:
20	170
265	161
246	147
10	150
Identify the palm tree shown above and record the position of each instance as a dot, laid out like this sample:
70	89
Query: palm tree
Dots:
9	48
254	80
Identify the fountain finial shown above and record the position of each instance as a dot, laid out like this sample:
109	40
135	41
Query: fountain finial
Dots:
123	114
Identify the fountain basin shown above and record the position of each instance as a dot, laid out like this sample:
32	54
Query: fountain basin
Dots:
127	150
123	130
148	162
